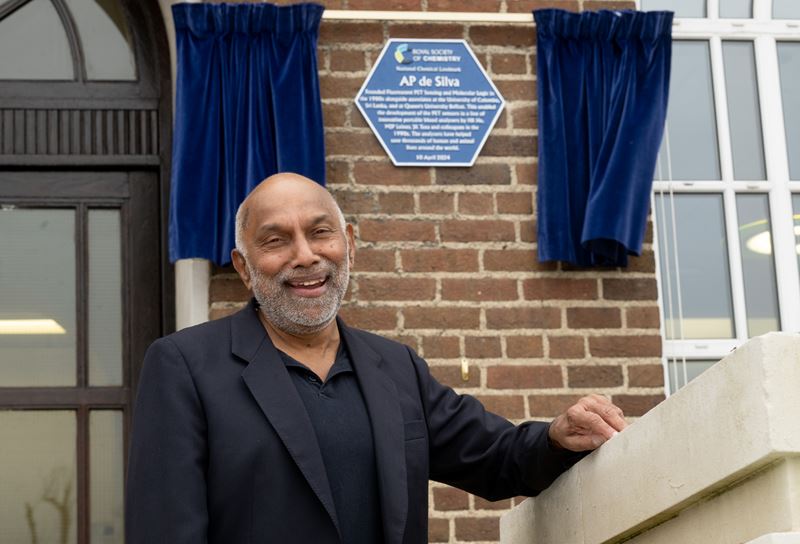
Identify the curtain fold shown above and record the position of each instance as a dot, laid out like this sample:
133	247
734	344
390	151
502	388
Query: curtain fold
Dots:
247	105
603	82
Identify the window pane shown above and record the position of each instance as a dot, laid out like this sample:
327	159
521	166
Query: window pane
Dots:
106	476
37	290
758	268
681	373
736	9
786	9
105	298
689	150
701	266
105	39
682	8
789	65
33	44
743	111
38	475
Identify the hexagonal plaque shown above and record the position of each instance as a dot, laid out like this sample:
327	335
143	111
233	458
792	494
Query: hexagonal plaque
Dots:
429	102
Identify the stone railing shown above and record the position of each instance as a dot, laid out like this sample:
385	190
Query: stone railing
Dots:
718	462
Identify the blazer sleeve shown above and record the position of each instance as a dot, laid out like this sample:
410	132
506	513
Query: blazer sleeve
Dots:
166	488
484	453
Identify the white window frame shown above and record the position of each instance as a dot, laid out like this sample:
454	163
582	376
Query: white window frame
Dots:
764	33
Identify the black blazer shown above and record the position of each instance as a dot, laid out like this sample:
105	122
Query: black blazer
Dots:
222	450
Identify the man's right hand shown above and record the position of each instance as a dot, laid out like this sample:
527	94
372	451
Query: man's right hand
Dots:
587	424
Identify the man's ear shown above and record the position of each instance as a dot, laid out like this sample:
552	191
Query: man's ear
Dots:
351	246
240	264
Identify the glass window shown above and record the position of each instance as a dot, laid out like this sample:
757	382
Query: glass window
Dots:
699	274
33	44
682	372
37	288
758	267
38	471
789	65
689	151
106	477
786	9
682	8
736	9
105	298
105	39
723	298
743	111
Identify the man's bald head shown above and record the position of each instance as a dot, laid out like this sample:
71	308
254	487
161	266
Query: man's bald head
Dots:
280	186
294	252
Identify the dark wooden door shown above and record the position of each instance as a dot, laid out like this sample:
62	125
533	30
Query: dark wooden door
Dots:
80	301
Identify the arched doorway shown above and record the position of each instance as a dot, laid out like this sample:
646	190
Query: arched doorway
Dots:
84	282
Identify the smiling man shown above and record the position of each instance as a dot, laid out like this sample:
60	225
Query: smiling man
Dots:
296	263
282	424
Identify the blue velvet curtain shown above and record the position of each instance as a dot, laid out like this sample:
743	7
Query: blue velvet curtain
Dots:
247	106
603	81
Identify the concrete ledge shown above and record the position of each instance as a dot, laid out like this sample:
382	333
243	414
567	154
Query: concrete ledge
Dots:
711	436
758	505
777	538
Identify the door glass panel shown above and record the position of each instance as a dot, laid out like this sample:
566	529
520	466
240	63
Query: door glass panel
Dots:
105	298
689	149
37	289
38	475
758	267
106	475
786	9
681	373
682	8
33	44
789	65
701	266
743	111
736	9
105	39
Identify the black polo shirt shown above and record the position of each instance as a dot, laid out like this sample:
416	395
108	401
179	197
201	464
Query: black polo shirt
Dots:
342	425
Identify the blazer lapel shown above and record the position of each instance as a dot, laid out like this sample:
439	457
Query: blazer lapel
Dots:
272	387
380	396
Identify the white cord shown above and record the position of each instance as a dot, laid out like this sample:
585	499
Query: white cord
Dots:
670	329
675	249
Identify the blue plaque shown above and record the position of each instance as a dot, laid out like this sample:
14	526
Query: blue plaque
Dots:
429	102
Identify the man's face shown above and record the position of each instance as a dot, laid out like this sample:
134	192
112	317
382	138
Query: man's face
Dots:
301	300
297	258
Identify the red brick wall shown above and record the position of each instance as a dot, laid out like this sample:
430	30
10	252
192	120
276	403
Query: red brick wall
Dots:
446	258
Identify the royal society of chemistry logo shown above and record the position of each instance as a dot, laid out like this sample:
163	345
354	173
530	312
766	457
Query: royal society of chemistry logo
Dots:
402	54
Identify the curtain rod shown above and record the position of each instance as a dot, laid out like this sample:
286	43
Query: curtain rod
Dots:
431	16
426	16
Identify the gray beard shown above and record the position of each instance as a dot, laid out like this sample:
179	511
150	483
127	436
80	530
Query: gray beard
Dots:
300	315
